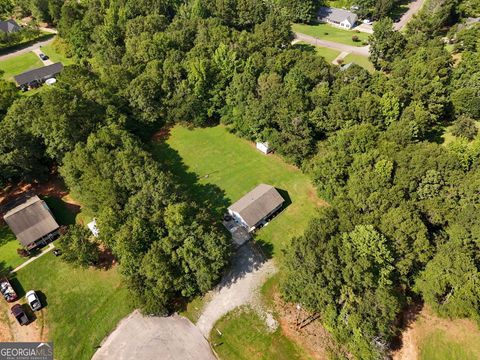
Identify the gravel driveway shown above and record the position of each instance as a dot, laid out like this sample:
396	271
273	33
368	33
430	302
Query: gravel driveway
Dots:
152	338
239	287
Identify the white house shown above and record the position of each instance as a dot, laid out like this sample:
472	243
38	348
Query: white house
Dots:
263	147
338	17
256	207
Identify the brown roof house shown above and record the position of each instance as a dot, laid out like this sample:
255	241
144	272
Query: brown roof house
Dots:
256	207
32	223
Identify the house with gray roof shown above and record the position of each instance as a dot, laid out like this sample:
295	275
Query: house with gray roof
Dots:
337	17
9	26
256	207
32	223
38	75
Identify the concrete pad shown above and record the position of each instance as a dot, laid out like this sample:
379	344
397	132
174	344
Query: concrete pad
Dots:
153	338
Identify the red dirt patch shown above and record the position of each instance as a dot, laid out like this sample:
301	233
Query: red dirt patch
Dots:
162	134
306	330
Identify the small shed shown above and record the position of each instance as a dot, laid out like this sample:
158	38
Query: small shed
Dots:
264	147
92	225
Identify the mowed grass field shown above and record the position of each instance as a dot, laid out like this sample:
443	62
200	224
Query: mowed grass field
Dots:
225	168
245	336
359	60
56	55
328	54
331	33
440	346
9	259
82	305
18	64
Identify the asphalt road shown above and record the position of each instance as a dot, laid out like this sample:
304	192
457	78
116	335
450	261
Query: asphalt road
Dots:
27	49
415	7
363	50
155	338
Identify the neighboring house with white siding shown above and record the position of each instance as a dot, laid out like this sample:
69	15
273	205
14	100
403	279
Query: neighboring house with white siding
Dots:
338	17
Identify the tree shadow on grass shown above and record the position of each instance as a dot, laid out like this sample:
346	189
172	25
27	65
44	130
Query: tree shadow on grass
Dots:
306	47
63	212
208	196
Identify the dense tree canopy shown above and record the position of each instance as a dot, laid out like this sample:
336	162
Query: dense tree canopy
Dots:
403	216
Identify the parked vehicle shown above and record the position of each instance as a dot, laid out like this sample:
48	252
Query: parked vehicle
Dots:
43	56
7	290
33	300
20	315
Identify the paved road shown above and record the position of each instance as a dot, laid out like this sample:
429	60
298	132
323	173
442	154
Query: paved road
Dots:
239	287
414	7
152	338
363	50
27	49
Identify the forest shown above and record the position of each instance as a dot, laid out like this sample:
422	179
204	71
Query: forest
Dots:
403	219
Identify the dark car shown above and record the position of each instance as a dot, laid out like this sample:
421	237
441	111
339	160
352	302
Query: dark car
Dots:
20	315
43	56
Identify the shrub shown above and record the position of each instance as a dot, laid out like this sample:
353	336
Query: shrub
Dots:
325	33
465	127
355	38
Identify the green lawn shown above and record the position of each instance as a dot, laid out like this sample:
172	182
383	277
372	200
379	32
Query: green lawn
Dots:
359	60
56	55
83	306
9	259
328	54
437	346
219	168
330	33
18	64
246	337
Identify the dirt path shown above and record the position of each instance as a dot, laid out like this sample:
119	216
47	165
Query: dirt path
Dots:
239	287
11	330
414	7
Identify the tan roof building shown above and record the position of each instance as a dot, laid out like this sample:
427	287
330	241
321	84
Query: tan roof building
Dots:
256	206
31	222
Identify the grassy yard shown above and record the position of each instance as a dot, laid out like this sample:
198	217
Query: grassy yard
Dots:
328	54
219	168
330	33
56	55
19	64
9	259
83	305
439	346
246	337
359	60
